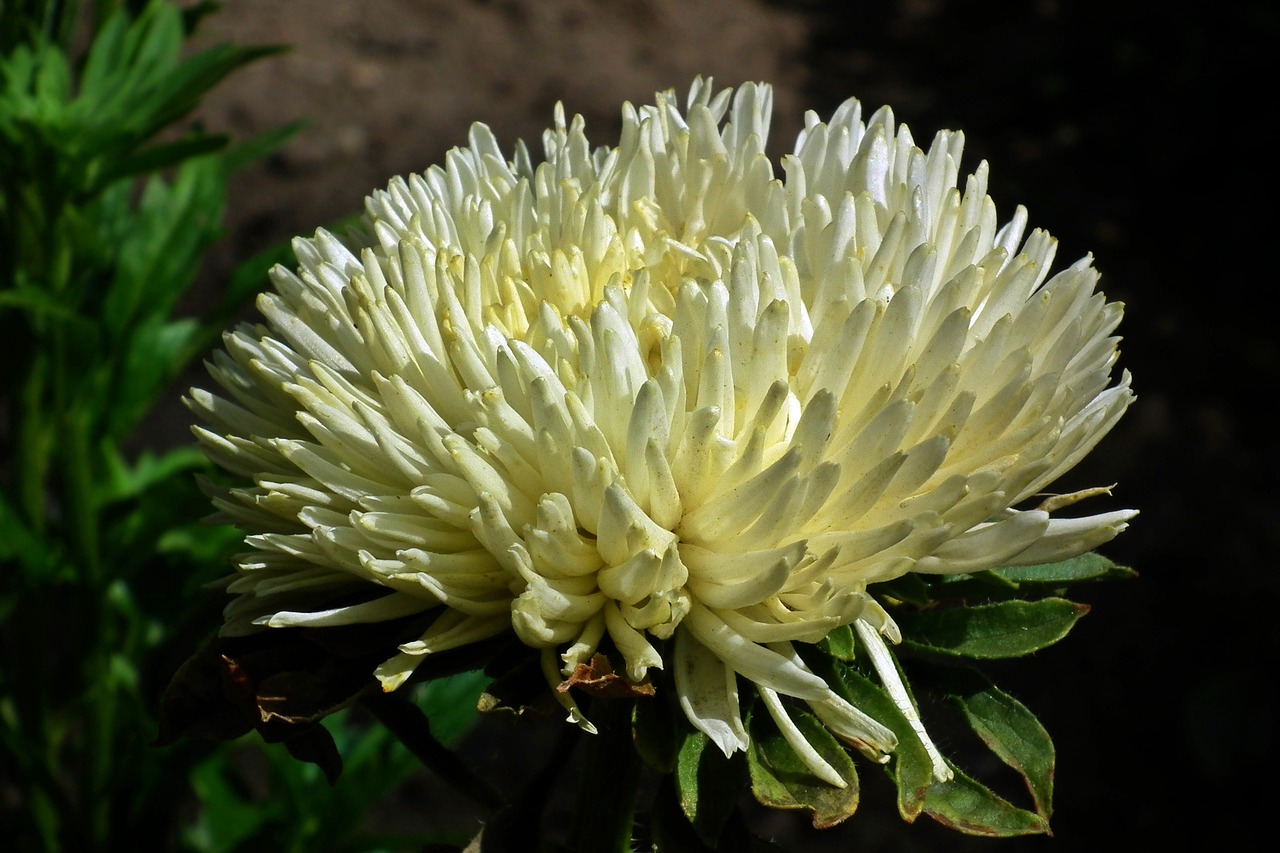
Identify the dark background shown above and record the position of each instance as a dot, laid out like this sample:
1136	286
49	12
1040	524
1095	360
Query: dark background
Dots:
1139	132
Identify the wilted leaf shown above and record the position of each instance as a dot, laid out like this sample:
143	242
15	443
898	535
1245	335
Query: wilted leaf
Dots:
597	678
281	683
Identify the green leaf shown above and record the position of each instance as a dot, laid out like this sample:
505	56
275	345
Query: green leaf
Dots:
983	586
708	785
1009	629
1008	728
450	703
671	832
1086	567
175	223
126	480
227	814
17	540
968	806
162	156
839	644
909	588
39	302
780	779
911	768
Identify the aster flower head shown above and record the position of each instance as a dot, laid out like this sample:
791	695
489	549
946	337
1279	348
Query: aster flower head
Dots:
658	397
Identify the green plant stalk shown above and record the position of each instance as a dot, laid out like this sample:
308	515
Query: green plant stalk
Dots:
31	464
610	780
406	721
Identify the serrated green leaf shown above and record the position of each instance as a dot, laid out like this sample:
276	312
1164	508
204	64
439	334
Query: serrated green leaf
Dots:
1013	733
1008	629
968	806
780	779
708	785
1086	567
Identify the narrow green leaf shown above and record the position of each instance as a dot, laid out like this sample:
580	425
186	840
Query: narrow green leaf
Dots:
780	779
163	156
104	56
708	785
125	480
263	145
1009	629
40	302
53	80
967	806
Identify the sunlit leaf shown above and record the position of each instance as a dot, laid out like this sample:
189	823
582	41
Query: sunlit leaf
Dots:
839	643
1009	730
910	765
1005	630
967	806
1086	567
780	779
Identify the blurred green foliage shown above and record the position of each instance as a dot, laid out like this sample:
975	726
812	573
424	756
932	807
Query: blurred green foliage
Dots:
109	199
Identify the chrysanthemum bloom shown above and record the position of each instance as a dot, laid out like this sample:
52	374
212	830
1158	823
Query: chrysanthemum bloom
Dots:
657	392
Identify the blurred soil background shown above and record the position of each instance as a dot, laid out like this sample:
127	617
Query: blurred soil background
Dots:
1114	123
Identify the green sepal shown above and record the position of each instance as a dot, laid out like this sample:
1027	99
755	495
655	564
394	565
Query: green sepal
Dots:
708	785
969	807
780	779
1008	629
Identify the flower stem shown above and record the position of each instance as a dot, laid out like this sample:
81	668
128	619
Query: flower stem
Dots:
610	779
406	721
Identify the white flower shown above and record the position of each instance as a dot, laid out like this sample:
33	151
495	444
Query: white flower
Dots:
654	392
